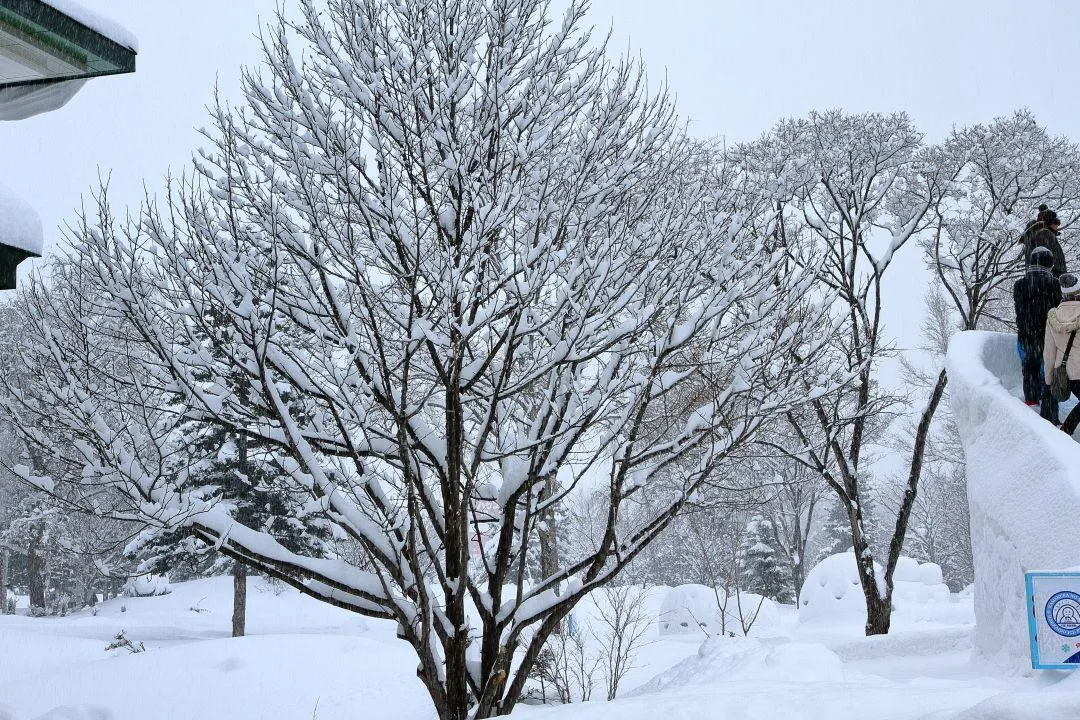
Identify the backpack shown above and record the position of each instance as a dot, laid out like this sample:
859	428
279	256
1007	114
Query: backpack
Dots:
1059	383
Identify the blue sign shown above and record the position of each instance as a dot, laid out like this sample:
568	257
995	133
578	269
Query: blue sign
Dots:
1053	602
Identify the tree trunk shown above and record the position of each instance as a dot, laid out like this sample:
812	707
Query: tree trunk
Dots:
35	570
3	580
878	608
549	539
878	613
239	607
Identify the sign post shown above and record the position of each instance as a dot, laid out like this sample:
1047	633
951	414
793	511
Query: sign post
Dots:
1053	602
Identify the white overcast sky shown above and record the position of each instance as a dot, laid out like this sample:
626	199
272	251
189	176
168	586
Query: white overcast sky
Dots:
736	66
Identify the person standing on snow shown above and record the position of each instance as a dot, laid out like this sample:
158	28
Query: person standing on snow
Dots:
1034	296
1043	232
1061	323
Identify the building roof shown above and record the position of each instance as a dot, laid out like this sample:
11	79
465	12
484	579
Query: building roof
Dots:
44	42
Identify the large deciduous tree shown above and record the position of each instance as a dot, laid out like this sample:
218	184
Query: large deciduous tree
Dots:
456	255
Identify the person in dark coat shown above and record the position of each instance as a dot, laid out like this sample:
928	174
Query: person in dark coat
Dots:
1043	232
1034	296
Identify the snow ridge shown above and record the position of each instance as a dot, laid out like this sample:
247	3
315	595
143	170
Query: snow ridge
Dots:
1023	489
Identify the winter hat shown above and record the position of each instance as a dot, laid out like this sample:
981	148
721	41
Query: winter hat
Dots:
1070	284
1048	216
1042	257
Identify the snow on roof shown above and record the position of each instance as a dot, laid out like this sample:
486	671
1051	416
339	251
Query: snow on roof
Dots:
20	226
109	28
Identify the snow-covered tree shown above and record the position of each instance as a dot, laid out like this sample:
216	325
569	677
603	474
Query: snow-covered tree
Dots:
764	570
860	187
1007	168
476	254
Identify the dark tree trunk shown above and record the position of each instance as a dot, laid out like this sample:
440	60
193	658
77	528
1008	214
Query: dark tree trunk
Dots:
3	580
549	539
878	613
878	609
35	570
239	605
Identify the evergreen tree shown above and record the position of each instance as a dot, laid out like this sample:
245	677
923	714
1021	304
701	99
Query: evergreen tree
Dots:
835	536
239	471
763	569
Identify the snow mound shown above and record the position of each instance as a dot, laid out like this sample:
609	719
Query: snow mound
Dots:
832	593
20	226
1023	489
697	609
724	659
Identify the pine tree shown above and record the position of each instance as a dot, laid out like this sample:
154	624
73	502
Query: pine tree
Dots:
241	472
835	536
763	570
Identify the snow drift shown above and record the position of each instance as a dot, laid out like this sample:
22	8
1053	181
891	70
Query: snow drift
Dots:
1023	489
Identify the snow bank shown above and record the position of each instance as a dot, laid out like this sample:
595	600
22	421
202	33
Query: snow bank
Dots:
109	28
696	609
832	595
20	226
724	659
1023	489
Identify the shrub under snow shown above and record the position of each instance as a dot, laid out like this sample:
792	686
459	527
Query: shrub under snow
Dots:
147	586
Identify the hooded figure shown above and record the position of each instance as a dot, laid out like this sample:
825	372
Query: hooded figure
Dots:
1043	232
1061	322
1034	296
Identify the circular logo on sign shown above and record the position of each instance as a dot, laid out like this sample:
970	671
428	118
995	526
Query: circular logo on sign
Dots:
1063	613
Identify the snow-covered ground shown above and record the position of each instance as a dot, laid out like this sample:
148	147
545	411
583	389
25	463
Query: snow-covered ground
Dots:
303	659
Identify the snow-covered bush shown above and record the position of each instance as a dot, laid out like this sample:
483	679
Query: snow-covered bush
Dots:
147	586
122	642
597	645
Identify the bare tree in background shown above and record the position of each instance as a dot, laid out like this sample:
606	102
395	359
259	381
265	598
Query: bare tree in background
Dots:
1005	170
864	187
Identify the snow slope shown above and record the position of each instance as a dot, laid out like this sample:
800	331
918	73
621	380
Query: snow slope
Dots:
1023	489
